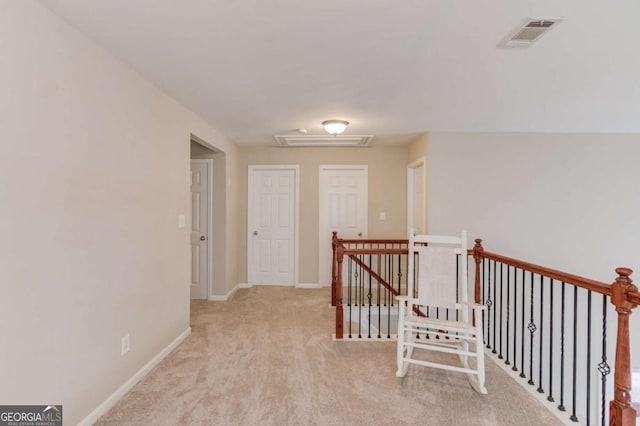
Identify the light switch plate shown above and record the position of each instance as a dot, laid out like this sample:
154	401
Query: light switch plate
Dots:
383	216
182	221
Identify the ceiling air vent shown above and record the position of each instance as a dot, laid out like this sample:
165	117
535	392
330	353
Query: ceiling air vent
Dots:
529	31
323	140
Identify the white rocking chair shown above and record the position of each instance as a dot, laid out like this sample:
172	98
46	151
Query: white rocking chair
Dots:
442	283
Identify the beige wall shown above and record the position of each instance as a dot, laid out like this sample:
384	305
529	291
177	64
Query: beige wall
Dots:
419	148
387	193
94	172
566	201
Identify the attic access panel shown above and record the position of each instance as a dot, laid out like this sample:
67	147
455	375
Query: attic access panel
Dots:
322	140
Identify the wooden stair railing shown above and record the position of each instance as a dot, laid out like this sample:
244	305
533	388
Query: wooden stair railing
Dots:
623	294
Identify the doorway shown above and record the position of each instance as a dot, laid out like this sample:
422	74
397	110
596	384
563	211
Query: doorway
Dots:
417	197
201	184
272	234
343	208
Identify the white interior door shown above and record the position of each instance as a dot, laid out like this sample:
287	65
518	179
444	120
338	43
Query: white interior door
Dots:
200	212
272	220
343	208
417	197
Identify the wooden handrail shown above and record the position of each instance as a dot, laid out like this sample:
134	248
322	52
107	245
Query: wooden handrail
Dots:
335	242
586	283
379	241
374	275
623	295
633	297
348	251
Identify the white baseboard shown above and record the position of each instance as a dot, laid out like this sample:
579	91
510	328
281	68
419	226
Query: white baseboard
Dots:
531	390
299	285
226	296
308	285
108	403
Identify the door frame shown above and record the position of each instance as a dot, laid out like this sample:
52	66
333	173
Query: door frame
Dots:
324	239
296	216
411	167
209	163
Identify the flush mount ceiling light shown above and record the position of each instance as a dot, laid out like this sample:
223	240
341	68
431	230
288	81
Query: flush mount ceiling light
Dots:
335	127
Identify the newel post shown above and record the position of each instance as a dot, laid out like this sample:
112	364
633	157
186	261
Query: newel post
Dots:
334	244
338	292
477	256
620	411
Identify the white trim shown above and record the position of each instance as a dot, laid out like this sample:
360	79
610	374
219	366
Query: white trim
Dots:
308	285
422	161
296	206
226	296
245	285
531	390
209	163
108	403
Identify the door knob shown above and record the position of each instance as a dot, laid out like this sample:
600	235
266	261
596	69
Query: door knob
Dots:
255	232
359	234
202	238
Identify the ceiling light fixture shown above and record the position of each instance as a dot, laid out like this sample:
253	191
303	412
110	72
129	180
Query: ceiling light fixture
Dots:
335	127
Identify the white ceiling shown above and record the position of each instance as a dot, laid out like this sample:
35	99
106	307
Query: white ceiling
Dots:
255	68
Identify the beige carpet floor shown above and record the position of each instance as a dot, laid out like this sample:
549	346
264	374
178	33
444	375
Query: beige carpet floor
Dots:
265	357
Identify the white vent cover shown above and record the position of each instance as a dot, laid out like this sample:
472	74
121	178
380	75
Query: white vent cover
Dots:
529	31
323	140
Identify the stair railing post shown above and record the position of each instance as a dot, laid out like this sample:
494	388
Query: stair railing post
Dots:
477	256
620	411
338	292
334	245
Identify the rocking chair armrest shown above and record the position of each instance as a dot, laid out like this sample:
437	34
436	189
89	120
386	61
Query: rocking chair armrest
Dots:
475	305
409	300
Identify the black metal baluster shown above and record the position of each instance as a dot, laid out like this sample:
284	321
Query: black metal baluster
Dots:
515	318
360	300
378	296
550	397
501	310
484	289
416	264
457	285
489	303
389	296
522	330
588	414
575	351
508	310
400	276
350	268
369	298
603	366
495	285
532	329
561	406
385	261
540	390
